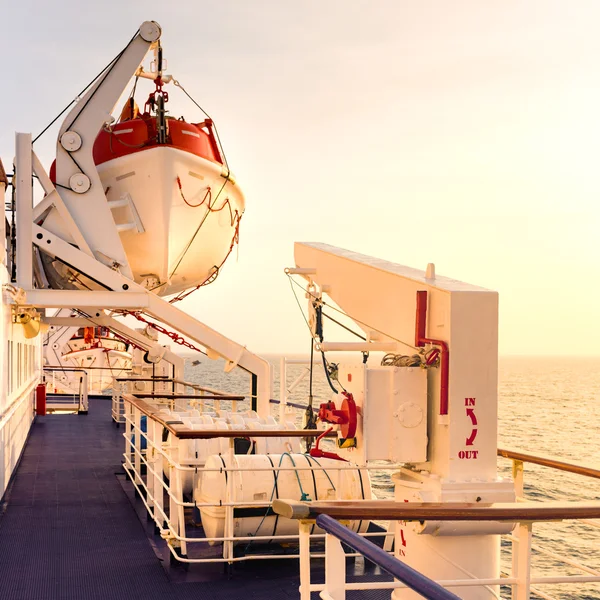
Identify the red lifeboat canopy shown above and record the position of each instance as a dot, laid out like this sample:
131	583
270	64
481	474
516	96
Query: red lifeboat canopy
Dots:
139	134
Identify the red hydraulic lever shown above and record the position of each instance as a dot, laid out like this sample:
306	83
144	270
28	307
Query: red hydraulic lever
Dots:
316	452
421	340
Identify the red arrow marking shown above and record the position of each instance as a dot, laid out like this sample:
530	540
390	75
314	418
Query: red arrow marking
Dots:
472	437
471	414
402	537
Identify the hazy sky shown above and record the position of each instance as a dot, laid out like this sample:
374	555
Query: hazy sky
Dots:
464	133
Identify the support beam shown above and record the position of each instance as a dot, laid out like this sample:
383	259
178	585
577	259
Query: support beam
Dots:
140	339
213	340
118	327
24	188
87	264
81	299
133	296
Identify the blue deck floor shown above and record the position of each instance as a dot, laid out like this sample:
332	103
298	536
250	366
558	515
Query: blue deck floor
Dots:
69	530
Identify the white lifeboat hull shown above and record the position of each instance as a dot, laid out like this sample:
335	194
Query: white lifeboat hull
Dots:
177	214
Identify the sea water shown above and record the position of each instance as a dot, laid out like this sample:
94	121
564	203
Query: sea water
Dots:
547	406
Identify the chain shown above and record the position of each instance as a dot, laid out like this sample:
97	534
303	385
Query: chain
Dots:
174	336
128	341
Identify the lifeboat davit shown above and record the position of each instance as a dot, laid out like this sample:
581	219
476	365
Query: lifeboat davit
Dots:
99	353
175	204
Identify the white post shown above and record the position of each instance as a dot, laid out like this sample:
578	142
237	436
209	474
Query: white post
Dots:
228	545
120	404
173	508
305	527
518	478
84	391
128	433
177	490
335	568
158	469
137	461
80	399
24	190
282	389
150	454
523	563
518	473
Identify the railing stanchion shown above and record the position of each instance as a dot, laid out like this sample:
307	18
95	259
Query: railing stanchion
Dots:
137	420
177	489
522	566
173	476
157	467
304	550
85	391
228	545
150	453
335	568
518	474
128	434
282	389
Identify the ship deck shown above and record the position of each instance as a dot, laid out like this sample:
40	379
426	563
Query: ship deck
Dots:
71	528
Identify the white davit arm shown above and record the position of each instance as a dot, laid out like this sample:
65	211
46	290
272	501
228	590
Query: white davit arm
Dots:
76	173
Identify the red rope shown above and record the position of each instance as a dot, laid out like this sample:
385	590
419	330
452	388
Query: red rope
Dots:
207	195
235	240
210	208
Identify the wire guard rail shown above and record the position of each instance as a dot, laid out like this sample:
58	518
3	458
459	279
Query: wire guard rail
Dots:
158	463
77	401
525	514
158	389
336	565
522	537
164	450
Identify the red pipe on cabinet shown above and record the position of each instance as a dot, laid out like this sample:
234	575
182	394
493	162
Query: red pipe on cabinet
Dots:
421	340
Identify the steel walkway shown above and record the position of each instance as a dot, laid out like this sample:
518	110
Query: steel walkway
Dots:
69	531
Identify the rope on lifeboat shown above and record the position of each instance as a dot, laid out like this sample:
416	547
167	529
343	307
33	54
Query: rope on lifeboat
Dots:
235	218
177	84
208	196
233	214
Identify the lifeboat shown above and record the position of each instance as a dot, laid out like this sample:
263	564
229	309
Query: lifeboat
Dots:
175	204
102	355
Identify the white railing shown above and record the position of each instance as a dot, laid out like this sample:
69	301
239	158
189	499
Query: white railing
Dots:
522	539
519	578
171	393
77	401
145	456
286	390
15	422
149	457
